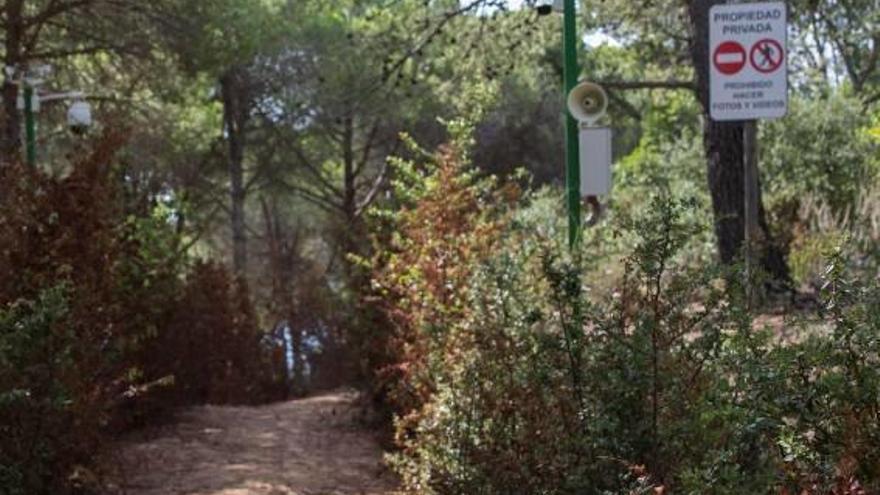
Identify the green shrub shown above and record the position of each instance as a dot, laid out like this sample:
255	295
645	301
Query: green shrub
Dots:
823	153
822	148
447	222
549	379
35	401
103	323
550	390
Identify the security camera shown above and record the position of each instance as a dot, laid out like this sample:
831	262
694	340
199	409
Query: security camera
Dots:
547	8
79	117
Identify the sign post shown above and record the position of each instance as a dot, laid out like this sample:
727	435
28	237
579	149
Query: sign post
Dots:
752	229
748	80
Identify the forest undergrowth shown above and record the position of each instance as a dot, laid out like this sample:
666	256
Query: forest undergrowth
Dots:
107	323
516	366
264	233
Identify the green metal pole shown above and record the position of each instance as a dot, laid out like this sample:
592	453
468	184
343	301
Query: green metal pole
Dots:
571	72
30	126
572	158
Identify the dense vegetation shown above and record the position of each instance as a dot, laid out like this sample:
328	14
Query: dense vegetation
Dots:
107	323
279	197
523	369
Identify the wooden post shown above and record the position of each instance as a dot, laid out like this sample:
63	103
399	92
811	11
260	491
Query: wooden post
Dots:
750	206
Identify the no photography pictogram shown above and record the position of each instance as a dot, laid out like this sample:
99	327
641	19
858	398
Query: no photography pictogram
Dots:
767	55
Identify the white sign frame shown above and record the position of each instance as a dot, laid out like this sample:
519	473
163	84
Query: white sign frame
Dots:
748	61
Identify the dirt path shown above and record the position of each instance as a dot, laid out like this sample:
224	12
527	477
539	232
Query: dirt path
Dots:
305	447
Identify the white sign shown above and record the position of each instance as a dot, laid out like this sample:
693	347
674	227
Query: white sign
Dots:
748	61
595	151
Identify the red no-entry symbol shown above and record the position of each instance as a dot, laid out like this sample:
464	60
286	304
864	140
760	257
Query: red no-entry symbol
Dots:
729	57
767	55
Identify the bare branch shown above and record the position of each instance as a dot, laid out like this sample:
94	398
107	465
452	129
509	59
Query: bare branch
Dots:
322	202
626	85
373	192
316	172
625	105
447	17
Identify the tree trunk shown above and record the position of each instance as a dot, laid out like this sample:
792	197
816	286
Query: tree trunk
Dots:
349	204
235	116
14	27
283	257
723	143
349	231
299	359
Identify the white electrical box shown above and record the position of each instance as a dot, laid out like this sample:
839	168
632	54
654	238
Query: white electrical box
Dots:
595	158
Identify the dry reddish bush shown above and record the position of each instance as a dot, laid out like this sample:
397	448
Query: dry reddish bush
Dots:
66	233
420	272
137	335
213	343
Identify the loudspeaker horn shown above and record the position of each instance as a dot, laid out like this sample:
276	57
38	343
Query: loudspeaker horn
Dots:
587	102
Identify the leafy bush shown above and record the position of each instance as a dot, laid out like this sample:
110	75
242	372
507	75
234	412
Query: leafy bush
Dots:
834	168
541	381
820	160
446	224
34	400
674	167
102	321
217	354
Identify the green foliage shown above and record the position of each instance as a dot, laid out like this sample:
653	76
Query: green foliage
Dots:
672	166
34	400
540	381
215	35
549	391
102	321
821	149
819	170
446	224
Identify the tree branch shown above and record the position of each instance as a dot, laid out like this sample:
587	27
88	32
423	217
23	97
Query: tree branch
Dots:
373	192
316	172
671	84
447	17
368	146
625	105
322	202
55	9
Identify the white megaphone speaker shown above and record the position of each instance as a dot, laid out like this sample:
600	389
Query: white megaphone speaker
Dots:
587	103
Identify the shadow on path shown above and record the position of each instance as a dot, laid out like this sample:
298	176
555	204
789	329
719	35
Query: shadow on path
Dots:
311	446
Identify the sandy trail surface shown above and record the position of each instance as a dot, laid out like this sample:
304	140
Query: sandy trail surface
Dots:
311	446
